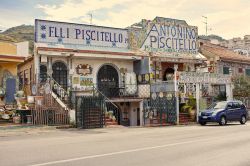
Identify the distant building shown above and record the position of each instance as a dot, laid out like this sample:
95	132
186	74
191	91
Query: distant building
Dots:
11	54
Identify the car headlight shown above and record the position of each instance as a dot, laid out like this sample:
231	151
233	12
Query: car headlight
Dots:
214	113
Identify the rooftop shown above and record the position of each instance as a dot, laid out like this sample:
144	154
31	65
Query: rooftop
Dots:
211	50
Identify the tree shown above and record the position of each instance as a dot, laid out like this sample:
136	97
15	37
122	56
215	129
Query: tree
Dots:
241	86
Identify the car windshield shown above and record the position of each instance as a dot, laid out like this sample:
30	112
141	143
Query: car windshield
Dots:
219	105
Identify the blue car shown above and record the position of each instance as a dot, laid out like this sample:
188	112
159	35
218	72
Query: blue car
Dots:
222	112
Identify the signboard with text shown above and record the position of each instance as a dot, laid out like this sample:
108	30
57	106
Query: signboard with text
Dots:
165	35
173	38
52	32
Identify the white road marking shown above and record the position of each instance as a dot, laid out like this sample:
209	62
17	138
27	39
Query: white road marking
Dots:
119	152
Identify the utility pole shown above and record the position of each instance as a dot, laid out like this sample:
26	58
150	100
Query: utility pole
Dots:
90	19
205	23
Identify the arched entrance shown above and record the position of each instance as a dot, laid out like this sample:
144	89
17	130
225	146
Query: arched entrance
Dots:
168	74
108	81
60	74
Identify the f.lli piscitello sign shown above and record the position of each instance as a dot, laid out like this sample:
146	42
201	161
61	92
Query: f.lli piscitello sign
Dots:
54	32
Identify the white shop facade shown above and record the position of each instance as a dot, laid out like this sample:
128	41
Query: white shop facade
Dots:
81	57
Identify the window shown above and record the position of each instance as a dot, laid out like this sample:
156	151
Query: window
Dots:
236	105
26	77
248	72
240	70
225	70
229	105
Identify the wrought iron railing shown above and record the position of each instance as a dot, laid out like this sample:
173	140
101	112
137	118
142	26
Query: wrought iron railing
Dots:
61	93
126	90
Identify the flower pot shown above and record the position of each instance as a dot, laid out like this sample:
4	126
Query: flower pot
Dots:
17	119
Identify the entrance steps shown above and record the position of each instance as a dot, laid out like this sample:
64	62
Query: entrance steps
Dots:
185	119
110	122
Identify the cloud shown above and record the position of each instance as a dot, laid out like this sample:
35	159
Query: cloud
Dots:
227	18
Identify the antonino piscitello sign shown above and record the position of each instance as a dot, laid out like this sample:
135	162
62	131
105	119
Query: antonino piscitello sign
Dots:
179	38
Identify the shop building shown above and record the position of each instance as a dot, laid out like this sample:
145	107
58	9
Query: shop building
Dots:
11	54
224	62
141	73
82	58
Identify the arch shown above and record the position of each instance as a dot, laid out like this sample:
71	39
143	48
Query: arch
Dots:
168	74
108	80
60	73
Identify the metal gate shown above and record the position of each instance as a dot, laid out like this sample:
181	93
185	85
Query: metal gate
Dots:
160	108
90	112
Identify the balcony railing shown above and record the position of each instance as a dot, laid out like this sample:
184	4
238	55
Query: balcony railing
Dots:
127	90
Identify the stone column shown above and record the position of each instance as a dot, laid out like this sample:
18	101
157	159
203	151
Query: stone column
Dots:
176	89
197	101
141	113
37	66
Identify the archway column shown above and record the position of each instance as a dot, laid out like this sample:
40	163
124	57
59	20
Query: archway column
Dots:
50	71
37	67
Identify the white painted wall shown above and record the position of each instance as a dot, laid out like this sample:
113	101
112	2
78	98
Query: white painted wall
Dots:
96	64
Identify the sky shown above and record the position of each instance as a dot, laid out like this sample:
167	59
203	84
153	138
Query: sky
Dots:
226	18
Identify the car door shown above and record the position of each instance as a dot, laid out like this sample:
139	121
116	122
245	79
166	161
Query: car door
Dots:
237	111
230	111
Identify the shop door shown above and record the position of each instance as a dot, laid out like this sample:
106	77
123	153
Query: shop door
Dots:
108	81
10	90
60	74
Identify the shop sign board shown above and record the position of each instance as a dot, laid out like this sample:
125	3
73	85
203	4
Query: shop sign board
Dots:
52	32
208	78
171	38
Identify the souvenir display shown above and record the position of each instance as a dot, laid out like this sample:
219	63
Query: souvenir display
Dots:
84	69
130	83
147	77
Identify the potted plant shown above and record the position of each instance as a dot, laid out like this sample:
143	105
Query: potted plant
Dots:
192	108
114	118
17	119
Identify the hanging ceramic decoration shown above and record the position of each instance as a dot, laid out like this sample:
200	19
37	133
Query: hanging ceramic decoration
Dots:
139	78
84	69
130	83
154	95
34	90
147	77
2	93
161	94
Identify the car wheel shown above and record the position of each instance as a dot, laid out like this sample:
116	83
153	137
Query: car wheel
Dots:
243	119
223	121
203	123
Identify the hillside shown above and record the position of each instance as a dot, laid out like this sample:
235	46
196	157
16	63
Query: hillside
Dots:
19	34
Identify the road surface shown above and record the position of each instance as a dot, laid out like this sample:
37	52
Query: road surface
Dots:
162	146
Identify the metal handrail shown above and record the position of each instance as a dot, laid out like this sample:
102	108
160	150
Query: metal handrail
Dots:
58	85
105	97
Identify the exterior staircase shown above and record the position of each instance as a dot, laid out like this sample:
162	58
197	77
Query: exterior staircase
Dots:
110	122
184	119
53	109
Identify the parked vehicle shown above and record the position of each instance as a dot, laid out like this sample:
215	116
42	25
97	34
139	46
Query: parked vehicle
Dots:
222	112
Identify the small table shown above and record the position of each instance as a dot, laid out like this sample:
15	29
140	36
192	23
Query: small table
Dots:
23	114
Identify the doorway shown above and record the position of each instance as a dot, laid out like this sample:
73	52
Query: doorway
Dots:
108	81
60	74
168	74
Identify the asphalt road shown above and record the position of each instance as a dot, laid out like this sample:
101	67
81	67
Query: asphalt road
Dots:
164	146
